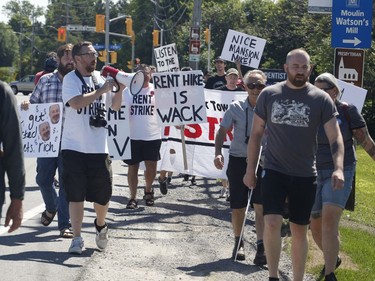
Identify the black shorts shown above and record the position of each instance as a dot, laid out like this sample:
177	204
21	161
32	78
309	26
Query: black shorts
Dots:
144	151
87	177
238	191
300	191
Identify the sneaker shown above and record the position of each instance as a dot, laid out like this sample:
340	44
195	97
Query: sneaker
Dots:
330	277
240	253
193	182
260	257
322	273
163	184
224	193
101	238
76	246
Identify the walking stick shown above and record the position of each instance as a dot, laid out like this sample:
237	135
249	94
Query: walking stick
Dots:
244	222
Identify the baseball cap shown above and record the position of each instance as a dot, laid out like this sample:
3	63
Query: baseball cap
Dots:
232	71
50	64
329	79
219	59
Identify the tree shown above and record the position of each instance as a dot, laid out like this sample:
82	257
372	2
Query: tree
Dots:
8	45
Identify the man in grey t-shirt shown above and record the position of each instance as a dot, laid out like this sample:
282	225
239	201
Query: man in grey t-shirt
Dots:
292	111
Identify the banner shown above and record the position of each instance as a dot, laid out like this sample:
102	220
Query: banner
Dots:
248	49
179	97
200	139
166	58
41	129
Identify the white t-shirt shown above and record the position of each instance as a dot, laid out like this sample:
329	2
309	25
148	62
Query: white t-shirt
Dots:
142	114
78	135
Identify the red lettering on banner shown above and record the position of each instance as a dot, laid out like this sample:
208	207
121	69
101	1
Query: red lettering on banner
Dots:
212	121
194	132
167	130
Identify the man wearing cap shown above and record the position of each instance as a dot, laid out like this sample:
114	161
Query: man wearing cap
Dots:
231	78
50	64
218	80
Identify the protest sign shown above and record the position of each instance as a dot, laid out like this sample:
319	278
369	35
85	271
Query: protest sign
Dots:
199	139
166	58
41	129
118	133
353	94
179	97
248	49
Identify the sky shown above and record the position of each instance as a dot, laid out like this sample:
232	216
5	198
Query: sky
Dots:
40	3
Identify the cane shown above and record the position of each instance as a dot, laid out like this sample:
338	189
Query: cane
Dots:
244	222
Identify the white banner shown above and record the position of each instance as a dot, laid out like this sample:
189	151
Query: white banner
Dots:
166	58
41	129
200	139
179	97
247	48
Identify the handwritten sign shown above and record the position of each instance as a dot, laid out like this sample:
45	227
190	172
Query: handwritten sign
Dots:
41	129
166	58
248	49
353	94
118	134
179	97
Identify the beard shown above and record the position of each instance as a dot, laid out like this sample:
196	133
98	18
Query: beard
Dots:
298	80
65	69
91	67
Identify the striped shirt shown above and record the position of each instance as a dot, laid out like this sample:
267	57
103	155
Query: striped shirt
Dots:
48	89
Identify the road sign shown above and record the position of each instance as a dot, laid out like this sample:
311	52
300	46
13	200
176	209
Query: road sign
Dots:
351	24
349	65
76	27
320	6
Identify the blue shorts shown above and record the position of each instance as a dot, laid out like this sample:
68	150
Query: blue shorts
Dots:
300	191
326	195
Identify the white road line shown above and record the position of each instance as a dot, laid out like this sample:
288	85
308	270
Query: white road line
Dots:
26	216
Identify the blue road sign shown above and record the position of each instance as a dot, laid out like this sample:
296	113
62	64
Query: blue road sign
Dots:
351	24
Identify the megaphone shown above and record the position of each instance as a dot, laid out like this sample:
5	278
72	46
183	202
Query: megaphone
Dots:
134	81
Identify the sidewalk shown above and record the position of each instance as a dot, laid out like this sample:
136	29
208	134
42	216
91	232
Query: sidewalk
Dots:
186	235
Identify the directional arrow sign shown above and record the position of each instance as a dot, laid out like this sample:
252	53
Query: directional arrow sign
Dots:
351	24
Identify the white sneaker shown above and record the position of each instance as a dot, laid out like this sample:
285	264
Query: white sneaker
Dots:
102	237
76	246
224	192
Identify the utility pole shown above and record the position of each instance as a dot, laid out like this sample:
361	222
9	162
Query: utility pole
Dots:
106	40
194	49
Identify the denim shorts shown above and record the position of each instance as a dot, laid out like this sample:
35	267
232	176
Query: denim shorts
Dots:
326	195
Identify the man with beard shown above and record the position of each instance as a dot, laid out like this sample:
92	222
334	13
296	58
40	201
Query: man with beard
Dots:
292	111
49	90
87	173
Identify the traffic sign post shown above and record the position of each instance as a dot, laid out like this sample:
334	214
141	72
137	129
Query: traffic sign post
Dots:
349	65
351	24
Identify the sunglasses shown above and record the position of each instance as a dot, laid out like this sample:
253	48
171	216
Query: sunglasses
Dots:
90	54
327	89
252	86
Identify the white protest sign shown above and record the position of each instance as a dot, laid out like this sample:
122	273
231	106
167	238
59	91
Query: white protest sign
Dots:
248	49
179	97
200	139
41	129
166	58
118	134
352	94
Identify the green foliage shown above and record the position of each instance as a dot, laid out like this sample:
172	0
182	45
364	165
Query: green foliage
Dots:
8	45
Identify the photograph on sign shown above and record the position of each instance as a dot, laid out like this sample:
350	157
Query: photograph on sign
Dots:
320	6
352	94
179	97
247	48
166	58
41	129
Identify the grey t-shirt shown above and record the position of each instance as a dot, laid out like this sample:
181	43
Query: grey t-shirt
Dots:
293	117
236	116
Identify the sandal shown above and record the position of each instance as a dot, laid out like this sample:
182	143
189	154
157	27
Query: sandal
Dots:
149	197
66	233
45	219
132	204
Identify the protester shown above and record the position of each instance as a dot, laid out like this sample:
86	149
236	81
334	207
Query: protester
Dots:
218	79
292	110
11	158
145	137
329	202
87	172
239	116
231	78
49	90
50	64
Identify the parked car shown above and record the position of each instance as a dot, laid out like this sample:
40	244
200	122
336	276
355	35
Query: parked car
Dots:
25	85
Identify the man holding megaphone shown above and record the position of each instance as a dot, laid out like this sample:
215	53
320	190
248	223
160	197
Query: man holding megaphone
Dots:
87	173
145	136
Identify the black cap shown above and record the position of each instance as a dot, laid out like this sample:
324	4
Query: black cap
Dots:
50	64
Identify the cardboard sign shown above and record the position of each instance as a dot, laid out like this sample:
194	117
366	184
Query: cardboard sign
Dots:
166	58
179	97
41	129
248	49
352	94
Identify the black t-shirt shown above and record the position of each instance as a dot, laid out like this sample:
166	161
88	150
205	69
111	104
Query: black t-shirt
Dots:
215	82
